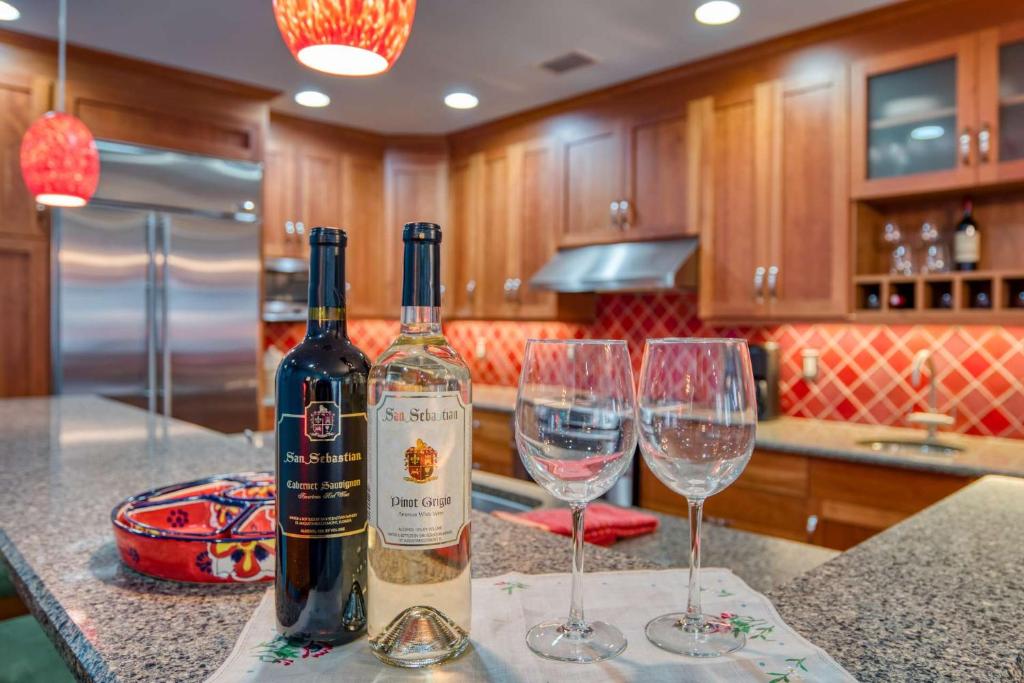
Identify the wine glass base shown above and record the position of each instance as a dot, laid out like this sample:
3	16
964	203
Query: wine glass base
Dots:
711	637
597	642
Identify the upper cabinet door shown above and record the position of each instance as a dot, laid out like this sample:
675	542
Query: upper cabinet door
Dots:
735	224
466	197
658	170
914	120
280	199
534	191
320	190
593	177
498	235
1000	135
21	101
807	271
362	217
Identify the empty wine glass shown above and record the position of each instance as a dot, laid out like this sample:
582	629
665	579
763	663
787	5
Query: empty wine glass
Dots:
575	431
697	418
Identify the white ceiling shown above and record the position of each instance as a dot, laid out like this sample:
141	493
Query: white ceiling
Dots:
489	47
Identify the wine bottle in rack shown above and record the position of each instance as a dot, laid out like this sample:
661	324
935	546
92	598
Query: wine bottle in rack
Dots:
419	465
967	240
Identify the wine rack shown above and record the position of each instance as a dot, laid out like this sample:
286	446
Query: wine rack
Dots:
961	297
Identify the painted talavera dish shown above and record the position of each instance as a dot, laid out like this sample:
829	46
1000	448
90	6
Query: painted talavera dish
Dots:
214	530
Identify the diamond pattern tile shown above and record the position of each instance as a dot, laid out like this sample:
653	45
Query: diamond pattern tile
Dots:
865	369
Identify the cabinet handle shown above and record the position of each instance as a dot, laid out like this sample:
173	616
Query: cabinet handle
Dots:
614	217
773	281
348	287
300	228
812	525
289	228
476	424
624	212
511	288
443	289
759	284
984	142
965	146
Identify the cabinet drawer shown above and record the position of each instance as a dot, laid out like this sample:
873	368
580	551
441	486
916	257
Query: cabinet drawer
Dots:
775	473
766	513
884	488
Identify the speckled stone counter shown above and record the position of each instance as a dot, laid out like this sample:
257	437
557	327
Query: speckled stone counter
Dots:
938	597
65	462
762	561
840	441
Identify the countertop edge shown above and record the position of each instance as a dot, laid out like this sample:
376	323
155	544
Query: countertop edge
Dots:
84	661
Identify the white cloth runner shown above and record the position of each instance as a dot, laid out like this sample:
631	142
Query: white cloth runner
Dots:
504	607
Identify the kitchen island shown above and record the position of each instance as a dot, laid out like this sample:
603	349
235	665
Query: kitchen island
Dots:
891	602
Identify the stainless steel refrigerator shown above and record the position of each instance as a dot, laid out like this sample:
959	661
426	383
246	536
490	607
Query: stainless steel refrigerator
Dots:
156	286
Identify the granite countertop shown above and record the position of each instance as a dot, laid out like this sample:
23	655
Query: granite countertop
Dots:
839	441
65	462
938	597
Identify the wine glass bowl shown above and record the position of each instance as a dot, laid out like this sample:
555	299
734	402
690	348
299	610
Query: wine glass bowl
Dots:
697	419
576	433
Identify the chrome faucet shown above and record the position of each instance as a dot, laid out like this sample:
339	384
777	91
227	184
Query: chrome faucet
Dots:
932	419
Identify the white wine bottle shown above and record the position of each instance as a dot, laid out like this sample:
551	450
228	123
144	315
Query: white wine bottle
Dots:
418	476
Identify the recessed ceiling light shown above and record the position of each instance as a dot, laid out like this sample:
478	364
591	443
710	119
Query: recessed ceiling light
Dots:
312	98
930	132
461	100
342	60
8	12
717	12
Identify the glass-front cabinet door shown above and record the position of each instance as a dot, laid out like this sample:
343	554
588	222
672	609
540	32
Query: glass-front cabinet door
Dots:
914	119
1001	103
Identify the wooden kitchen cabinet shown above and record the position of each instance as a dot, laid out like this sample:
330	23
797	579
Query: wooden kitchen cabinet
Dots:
415	189
22	100
280	203
25	310
774	243
518	205
851	501
947	115
632	176
494	448
320	190
466	198
362	212
834	503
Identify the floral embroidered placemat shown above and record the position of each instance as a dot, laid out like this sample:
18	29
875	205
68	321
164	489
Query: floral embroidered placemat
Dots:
504	607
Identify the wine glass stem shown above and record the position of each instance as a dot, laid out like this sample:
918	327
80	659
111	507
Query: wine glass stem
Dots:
693	612
576	622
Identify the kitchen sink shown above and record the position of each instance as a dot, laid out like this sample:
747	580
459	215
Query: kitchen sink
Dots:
910	447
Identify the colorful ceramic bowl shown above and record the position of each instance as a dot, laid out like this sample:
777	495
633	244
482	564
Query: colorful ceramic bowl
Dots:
215	530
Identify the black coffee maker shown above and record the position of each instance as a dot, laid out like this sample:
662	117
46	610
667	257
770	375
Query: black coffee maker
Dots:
764	361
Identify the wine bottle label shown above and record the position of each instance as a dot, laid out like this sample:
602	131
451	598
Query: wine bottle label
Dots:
966	246
419	468
321	492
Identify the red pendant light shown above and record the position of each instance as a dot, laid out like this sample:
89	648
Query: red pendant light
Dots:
59	160
346	37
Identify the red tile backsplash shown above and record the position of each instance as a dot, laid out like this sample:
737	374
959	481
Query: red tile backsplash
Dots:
864	370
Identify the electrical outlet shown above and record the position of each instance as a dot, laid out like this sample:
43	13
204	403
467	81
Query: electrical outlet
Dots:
811	365
481	348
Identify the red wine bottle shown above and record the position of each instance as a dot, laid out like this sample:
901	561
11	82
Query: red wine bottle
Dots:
321	464
967	241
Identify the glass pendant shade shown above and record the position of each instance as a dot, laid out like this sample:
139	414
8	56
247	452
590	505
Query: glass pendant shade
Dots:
346	37
59	160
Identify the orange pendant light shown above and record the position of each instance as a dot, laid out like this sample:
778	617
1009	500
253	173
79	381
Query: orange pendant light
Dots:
346	37
59	159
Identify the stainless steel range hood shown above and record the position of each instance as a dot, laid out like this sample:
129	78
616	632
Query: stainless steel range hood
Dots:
621	267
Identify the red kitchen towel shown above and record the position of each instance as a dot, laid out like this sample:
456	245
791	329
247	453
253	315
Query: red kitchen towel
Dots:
602	525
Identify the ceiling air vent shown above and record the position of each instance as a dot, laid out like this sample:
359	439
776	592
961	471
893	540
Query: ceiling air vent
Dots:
568	62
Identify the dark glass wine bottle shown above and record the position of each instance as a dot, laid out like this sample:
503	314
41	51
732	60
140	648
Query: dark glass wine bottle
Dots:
321	464
967	241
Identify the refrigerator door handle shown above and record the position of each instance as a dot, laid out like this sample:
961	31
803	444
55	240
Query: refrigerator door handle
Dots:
165	339
152	333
